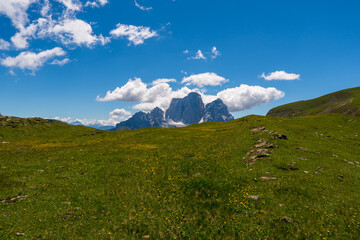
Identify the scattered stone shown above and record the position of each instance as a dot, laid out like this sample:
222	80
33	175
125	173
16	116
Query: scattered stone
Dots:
267	172
321	168
316	173
13	199
350	162
254	197
281	204
303	159
301	148
146	236
67	203
280	136
5	142
258	129
358	166
306	172
286	219
264	144
292	164
335	156
40	170
340	176
268	178
20	234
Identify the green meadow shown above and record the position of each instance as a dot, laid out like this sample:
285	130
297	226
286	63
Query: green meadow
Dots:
205	181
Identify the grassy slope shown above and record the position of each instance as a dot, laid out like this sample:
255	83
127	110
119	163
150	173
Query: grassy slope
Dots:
188	183
346	101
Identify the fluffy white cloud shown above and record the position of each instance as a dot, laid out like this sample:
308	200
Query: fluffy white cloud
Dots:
73	5
96	3
135	34
30	60
280	75
60	62
120	112
147	98
4	45
163	80
142	7
68	32
246	97
215	53
159	95
16	11
204	79
76	31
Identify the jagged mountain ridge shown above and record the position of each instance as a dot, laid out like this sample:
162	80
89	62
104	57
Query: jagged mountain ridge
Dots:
181	112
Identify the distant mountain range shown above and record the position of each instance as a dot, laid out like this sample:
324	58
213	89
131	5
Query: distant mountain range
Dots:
97	126
182	112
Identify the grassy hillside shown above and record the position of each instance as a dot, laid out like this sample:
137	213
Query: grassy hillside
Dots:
346	102
252	178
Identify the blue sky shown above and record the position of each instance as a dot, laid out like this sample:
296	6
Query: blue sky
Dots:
67	60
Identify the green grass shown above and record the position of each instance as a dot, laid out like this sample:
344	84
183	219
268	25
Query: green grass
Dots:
187	183
346	102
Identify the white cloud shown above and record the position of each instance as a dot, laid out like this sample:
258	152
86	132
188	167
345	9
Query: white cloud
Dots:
136	90
76	31
280	75
147	98
246	97
4	45
204	79
135	34
120	112
198	55
96	3
142	7
30	60
163	80
68	32
186	51
215	53
16	11
60	62
73	5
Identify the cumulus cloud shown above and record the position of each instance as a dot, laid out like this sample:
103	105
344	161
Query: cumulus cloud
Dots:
120	112
32	61
163	80
246	97
60	62
159	95
142	7
97	3
4	45
16	11
68	31
280	75
135	34
204	79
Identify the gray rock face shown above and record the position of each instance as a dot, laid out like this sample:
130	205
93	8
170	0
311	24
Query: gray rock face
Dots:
217	111
188	110
142	120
